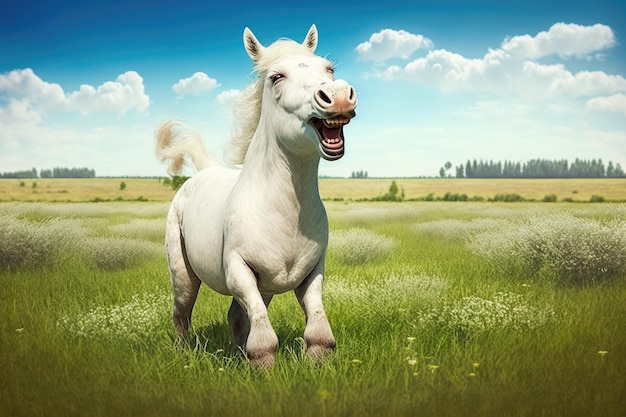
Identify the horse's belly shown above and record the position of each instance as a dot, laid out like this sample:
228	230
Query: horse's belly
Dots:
202	227
205	258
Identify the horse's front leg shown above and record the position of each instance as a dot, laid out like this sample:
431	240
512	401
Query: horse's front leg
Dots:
239	323
317	334
261	342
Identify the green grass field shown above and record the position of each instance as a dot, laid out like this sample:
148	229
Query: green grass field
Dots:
439	309
147	189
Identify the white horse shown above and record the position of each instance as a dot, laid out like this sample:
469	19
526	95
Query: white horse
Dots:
261	230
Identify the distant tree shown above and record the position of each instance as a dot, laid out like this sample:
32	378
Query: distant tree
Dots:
610	170
538	168
468	169
459	171
122	185
393	188
30	173
358	174
60	172
392	194
178	181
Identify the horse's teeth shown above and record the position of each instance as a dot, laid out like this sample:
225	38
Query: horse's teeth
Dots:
340	121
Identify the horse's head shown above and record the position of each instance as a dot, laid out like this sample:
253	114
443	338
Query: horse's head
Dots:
302	102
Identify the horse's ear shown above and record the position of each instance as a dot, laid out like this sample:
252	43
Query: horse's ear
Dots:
252	44
310	41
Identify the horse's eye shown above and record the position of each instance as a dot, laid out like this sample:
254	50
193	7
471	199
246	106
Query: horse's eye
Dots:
330	69
276	77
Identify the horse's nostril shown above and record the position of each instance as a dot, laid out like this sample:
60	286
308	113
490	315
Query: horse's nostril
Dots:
324	97
352	93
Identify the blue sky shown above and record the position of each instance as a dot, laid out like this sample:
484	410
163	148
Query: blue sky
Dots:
84	84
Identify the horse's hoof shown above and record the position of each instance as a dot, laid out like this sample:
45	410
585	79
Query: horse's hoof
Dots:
320	352
264	361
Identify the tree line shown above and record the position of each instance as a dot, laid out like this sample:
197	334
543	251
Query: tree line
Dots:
57	172
535	168
359	174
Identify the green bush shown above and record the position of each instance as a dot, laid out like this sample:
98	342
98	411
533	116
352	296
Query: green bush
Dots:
577	250
473	315
549	198
175	182
135	321
509	198
358	246
109	253
455	197
25	243
392	194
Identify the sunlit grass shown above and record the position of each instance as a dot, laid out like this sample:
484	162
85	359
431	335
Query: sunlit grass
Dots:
426	328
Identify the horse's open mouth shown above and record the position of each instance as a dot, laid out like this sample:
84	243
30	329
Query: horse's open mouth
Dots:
330	135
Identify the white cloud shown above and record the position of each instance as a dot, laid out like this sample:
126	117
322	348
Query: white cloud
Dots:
18	112
563	40
25	84
228	98
120	96
389	43
513	70
196	84
614	103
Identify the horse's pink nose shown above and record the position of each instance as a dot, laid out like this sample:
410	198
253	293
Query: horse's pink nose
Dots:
336	97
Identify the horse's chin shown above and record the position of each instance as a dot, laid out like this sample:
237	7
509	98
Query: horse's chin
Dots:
330	136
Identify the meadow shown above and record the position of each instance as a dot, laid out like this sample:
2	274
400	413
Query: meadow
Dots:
153	189
438	308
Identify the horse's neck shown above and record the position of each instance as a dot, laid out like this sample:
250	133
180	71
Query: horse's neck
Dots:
282	177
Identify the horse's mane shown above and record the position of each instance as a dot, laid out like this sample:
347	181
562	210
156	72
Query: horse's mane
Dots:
247	109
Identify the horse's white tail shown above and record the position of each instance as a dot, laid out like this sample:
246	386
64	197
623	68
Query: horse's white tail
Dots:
174	141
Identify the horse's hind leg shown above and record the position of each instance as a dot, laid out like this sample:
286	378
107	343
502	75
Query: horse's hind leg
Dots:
185	282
